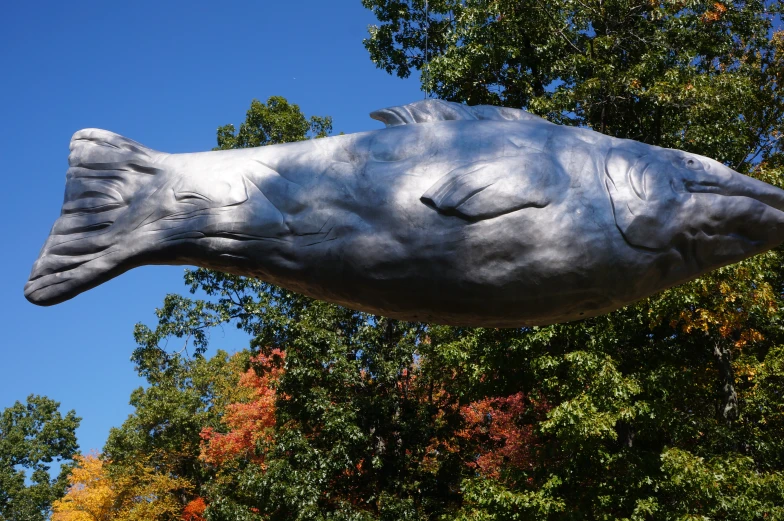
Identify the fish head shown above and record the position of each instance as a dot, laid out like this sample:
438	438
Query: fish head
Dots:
665	199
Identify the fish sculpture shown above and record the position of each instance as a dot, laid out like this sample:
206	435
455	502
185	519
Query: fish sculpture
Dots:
471	216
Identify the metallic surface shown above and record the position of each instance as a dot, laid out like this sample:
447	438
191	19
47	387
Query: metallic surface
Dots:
474	216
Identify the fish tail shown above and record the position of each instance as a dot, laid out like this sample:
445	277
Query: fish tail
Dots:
106	173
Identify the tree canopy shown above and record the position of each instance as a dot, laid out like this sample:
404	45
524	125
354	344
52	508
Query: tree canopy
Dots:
33	435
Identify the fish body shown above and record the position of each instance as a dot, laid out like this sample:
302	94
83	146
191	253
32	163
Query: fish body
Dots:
473	216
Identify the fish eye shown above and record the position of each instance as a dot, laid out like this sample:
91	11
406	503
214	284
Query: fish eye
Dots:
693	163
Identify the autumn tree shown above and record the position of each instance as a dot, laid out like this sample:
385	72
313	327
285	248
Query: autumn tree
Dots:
186	395
90	496
353	415
356	417
249	421
182	397
133	492
33	436
150	468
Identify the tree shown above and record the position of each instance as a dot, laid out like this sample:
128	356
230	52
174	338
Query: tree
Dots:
90	496
272	123
187	395
183	396
134	492
333	358
249	422
355	419
32	436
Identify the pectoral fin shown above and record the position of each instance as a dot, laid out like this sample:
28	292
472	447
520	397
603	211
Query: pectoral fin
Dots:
488	189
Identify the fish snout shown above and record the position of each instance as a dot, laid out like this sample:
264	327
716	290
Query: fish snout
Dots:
711	177
733	215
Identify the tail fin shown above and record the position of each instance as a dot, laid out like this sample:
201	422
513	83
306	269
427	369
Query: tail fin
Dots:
107	172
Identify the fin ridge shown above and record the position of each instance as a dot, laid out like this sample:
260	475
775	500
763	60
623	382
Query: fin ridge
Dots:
106	172
431	110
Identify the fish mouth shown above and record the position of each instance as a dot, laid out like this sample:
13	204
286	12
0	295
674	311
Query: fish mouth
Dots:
738	215
728	183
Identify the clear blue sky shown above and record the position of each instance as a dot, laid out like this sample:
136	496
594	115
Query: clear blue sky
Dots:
166	74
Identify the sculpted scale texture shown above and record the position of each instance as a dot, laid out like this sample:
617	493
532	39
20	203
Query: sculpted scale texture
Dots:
474	216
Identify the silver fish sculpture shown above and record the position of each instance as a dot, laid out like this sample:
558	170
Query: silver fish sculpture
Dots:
471	216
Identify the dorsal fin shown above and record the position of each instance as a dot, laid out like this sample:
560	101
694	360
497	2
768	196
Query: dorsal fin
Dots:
430	110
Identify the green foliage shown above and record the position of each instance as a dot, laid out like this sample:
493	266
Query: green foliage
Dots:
627	410
631	399
32	436
354	423
722	487
272	123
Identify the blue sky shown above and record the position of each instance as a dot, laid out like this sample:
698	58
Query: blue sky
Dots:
166	74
